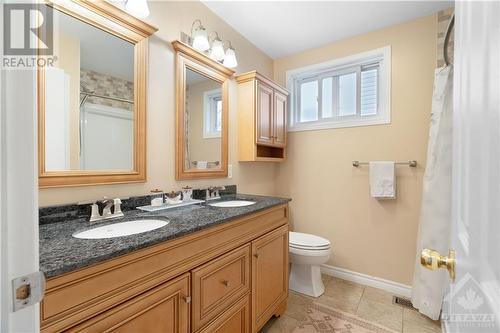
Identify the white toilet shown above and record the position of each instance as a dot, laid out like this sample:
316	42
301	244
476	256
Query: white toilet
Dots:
307	253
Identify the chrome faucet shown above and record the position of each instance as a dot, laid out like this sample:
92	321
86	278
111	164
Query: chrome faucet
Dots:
212	192
106	211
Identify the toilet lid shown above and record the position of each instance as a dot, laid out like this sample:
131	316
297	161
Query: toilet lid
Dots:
307	241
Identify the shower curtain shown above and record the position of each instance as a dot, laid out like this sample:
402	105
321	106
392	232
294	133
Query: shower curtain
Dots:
435	216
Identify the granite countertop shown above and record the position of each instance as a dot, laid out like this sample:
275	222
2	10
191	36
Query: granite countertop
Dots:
61	253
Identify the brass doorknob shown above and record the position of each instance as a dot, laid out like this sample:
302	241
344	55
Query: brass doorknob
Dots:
431	259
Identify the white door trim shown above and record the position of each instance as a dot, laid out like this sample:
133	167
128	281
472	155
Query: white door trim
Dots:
392	287
19	194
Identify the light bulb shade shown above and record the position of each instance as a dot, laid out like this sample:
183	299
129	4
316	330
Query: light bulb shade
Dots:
217	52
138	8
200	39
230	59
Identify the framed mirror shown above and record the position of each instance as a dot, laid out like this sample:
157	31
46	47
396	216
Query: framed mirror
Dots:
92	101
201	115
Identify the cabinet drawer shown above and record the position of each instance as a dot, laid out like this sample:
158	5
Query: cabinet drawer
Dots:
218	284
236	319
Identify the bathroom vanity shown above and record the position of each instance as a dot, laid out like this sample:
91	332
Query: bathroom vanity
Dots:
210	269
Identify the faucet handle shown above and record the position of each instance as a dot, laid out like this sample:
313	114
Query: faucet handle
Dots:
118	208
94	215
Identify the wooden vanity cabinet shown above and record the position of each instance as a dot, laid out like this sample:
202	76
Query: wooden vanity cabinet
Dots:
269	276
227	278
262	118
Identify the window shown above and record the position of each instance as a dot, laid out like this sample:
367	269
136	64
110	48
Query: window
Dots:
212	114
347	92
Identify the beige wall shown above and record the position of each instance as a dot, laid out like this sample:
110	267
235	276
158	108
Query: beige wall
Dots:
330	197
68	55
171	18
200	148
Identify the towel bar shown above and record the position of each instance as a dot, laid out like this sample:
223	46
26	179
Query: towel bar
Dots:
412	164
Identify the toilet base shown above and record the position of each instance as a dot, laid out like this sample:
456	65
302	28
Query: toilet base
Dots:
306	279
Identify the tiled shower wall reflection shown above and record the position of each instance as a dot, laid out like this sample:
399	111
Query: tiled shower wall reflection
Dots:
102	84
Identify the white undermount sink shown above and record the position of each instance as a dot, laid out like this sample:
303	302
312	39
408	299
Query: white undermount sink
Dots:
232	203
121	229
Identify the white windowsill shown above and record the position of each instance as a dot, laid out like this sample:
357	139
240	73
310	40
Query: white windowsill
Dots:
314	125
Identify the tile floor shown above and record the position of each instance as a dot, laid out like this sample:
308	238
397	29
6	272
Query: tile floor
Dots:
369	303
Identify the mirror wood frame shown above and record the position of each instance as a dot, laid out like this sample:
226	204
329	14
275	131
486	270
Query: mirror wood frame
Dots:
111	19
187	57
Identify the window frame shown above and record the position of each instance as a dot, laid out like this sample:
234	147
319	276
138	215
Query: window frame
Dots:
336	67
210	113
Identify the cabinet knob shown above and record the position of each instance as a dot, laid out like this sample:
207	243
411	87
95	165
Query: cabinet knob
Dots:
187	299
226	283
256	255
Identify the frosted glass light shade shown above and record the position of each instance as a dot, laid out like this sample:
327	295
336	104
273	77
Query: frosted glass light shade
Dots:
230	59
138	8
200	39
217	52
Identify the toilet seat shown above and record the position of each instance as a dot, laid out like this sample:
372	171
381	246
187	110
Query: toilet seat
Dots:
308	242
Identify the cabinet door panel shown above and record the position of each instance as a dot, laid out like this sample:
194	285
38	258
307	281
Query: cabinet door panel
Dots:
269	275
265	118
280	114
162	309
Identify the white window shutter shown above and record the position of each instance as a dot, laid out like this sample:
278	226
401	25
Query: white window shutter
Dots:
369	90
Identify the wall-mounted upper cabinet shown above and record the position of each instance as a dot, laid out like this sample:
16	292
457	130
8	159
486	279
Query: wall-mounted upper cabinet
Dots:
262	118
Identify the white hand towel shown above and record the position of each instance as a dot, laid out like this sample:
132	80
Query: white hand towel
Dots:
201	164
382	180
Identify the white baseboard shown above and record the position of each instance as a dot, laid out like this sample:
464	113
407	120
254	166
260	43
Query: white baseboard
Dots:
395	288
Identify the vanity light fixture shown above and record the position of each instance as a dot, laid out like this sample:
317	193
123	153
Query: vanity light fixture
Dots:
213	47
217	51
138	8
199	36
230	57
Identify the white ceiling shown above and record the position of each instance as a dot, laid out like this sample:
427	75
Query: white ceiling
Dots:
193	77
99	50
281	28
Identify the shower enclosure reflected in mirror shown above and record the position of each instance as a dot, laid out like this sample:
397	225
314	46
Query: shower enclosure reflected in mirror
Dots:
89	100
202	115
92	100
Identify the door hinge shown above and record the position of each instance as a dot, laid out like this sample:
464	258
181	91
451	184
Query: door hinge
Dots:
28	290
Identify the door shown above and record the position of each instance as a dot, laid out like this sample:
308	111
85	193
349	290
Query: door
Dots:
472	303
280	111
162	309
18	192
269	275
265	118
